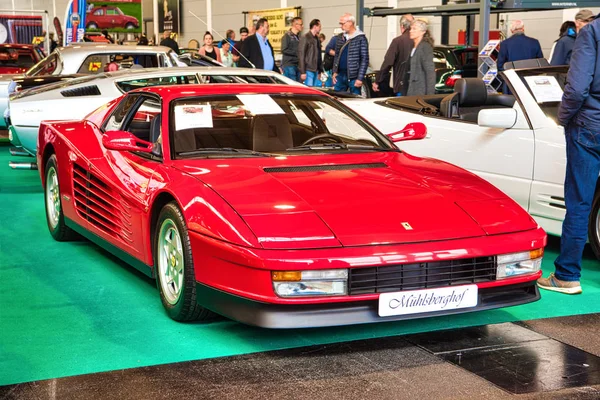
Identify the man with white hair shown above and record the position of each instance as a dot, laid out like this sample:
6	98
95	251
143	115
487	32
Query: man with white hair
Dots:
351	57
518	46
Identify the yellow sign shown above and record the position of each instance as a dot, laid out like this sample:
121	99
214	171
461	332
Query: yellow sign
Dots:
280	21
38	40
95	66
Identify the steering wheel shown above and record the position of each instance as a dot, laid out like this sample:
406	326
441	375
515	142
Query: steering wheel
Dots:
323	136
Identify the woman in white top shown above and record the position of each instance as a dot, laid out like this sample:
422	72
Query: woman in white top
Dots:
226	56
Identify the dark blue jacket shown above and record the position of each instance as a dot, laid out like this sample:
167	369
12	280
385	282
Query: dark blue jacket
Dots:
518	47
563	48
581	98
358	55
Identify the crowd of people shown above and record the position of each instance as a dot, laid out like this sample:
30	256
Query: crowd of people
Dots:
342	63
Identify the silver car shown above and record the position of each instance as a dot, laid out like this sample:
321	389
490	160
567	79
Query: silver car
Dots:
76	98
85	59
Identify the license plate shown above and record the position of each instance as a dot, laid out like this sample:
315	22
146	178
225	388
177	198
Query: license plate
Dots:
427	300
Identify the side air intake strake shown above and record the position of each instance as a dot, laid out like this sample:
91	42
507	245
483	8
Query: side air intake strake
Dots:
91	90
318	168
97	203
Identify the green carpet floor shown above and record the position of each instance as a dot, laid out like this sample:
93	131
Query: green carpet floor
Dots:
71	308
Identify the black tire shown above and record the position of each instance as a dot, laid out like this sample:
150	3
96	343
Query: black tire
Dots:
91	25
55	217
594	225
130	26
181	305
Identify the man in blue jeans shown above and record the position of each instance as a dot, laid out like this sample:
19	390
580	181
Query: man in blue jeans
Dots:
351	57
309	54
289	50
579	113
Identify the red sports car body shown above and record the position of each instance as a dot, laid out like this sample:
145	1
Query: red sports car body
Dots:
277	206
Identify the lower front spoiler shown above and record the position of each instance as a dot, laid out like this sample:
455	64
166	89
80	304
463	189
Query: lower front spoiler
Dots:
280	316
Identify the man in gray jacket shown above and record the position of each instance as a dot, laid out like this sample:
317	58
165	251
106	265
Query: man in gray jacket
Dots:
309	54
397	57
289	49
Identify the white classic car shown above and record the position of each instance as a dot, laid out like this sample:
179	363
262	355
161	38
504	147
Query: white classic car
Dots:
513	141
76	98
85	59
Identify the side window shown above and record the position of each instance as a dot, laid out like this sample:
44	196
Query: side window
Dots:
126	86
99	12
47	66
115	121
143	120
439	60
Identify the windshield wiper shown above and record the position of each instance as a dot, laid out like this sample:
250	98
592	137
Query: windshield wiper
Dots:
209	150
341	146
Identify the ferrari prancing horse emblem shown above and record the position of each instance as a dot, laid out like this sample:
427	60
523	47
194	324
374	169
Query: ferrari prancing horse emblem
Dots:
407	226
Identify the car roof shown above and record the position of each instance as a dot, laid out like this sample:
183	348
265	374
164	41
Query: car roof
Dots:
190	70
111	48
172	92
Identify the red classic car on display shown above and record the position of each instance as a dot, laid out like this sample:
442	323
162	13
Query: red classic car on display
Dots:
18	58
278	206
107	17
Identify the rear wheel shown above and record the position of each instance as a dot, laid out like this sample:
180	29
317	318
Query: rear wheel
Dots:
594	226
175	268
54	213
130	26
92	25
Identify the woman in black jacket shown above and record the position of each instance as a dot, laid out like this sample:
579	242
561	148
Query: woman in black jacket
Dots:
421	77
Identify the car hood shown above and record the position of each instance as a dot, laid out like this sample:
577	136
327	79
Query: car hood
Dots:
381	198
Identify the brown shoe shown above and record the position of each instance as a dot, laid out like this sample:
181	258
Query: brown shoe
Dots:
556	285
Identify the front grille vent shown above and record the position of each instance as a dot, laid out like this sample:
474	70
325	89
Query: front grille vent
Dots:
91	90
97	203
395	278
318	168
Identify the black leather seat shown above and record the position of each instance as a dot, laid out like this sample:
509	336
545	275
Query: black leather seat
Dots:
271	133
155	128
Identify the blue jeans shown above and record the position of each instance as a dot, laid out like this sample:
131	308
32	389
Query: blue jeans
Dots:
583	167
292	72
343	84
311	78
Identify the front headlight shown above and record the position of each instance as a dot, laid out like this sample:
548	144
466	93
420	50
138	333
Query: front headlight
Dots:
515	264
329	282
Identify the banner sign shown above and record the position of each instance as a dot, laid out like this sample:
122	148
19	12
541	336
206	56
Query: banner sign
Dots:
20	29
280	21
114	16
75	21
168	16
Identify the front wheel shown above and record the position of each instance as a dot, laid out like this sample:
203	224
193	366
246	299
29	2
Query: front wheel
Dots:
54	212
92	25
175	267
594	226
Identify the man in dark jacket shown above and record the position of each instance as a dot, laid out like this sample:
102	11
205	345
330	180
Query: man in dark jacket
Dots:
309	54
397	57
564	45
518	46
351	57
257	51
289	49
169	42
579	113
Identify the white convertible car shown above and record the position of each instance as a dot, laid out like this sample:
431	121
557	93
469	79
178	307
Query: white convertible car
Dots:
513	141
76	98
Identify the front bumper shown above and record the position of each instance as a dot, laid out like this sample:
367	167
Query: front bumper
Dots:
280	316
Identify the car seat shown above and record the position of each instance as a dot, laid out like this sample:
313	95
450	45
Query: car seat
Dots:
271	133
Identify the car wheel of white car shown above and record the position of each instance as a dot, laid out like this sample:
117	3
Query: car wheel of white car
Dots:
54	213
175	276
594	227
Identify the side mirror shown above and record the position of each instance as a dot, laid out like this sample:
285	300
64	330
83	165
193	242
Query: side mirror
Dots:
412	131
503	118
125	141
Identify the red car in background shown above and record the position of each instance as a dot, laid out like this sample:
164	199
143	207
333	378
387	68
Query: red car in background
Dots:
280	207
106	17
18	58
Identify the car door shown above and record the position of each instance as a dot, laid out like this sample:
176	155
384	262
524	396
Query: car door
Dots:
124	177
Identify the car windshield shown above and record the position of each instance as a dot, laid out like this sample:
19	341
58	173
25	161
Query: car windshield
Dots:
546	86
249	125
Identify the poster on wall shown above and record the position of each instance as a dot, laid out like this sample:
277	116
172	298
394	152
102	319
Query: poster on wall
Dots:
280	21
20	29
75	21
114	16
168	16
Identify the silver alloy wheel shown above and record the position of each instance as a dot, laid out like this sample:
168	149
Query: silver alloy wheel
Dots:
52	197
170	261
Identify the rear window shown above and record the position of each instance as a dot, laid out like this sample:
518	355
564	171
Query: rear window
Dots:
98	63
132	84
